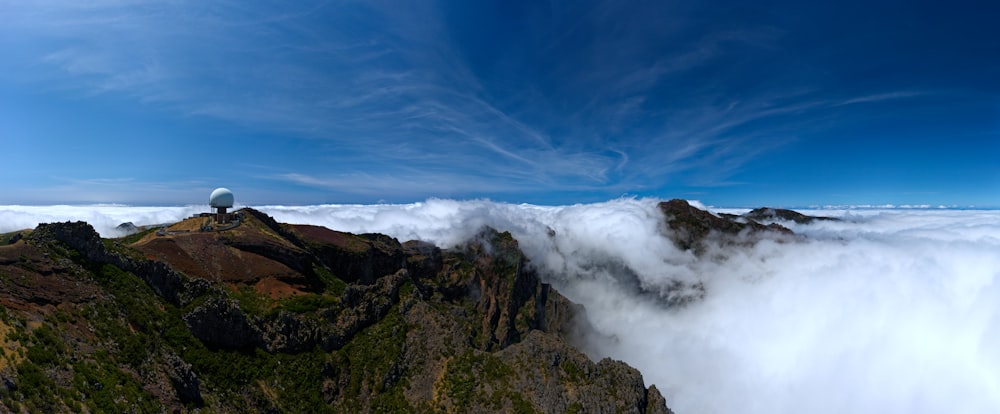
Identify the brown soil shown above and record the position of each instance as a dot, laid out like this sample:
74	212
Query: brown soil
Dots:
323	235
30	279
206	255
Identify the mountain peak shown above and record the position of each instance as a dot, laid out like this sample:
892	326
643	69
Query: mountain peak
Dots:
290	318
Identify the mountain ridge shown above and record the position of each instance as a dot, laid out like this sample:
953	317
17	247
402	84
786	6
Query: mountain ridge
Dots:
359	323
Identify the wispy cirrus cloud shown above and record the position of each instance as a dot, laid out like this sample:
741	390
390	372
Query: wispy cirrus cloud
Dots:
879	97
573	101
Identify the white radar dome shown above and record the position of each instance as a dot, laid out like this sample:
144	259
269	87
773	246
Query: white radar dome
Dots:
221	197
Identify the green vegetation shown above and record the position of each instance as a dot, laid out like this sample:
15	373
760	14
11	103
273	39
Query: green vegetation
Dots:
132	238
231	374
526	315
251	301
111	352
47	347
98	383
373	366
255	303
106	388
121	245
133	328
331	284
5	238
309	302
467	376
573	372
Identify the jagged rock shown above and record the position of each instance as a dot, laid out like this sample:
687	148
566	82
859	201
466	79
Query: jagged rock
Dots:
423	259
286	333
78	235
556	378
183	379
561	316
771	214
655	403
272	224
82	237
9	384
15	238
295	258
220	322
30	276
510	295
127	228
363	305
353	258
167	283
690	226
415	327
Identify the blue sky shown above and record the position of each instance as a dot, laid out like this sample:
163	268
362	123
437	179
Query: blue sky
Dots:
783	103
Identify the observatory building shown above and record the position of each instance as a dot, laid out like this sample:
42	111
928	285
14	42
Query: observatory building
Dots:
220	200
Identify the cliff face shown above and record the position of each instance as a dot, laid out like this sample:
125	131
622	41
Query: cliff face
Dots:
270	317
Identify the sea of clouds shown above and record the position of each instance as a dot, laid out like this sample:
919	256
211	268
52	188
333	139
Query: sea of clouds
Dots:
887	310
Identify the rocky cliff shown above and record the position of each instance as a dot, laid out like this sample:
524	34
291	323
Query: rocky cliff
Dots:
691	227
269	317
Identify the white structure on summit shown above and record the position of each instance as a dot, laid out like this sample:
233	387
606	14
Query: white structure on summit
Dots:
220	200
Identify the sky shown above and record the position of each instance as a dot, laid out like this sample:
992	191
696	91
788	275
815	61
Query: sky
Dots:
739	104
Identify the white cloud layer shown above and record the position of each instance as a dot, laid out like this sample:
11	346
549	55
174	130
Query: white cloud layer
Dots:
886	311
104	218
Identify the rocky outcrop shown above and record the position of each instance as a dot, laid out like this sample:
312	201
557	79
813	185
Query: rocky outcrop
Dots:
353	258
127	228
82	238
511	299
14	238
690	226
220	322
559	378
393	327
281	229
289	255
284	332
30	276
655	403
184	380
772	214
362	306
423	259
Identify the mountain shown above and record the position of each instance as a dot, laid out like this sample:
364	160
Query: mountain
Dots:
262	316
691	228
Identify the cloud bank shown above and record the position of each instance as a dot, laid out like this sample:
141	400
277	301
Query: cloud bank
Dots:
104	218
885	311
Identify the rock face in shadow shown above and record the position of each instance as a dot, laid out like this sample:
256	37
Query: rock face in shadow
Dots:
334	322
82	238
690	226
772	214
423	259
220	322
184	380
696	230
353	258
510	296
568	381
